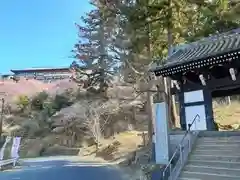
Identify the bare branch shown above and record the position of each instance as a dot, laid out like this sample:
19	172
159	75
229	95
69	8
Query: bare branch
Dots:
132	68
97	117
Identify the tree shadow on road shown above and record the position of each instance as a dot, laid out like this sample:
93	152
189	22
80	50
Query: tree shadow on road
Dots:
62	170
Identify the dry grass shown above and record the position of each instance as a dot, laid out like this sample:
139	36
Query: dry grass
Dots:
120	146
129	141
227	114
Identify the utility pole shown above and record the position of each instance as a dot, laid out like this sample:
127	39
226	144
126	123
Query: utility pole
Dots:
1	117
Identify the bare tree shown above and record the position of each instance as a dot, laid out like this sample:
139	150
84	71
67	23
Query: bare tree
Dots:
97	117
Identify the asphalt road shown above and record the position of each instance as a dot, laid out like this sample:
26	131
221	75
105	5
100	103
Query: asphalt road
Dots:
62	169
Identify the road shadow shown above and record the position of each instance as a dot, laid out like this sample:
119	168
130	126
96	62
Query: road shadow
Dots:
62	170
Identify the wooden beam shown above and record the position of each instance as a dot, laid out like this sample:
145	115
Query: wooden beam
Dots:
232	72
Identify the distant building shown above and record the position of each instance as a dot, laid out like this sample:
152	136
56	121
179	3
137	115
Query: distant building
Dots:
6	76
44	74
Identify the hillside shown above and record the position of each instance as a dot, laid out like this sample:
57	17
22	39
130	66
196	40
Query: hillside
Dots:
10	89
62	122
66	123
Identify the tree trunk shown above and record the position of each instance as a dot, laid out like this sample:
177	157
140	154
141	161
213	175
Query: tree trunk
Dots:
150	94
97	147
228	100
103	67
150	116
134	118
174	111
171	100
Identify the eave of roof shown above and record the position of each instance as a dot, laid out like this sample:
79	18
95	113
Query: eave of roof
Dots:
201	51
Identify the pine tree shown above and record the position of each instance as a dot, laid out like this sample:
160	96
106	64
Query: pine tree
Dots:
145	22
92	50
213	17
146	26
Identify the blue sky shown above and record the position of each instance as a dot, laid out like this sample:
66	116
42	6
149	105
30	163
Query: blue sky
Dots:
38	33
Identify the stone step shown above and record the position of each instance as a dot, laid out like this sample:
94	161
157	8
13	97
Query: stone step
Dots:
207	176
214	170
214	157
232	152
203	141
188	178
220	164
217	146
229	138
218	134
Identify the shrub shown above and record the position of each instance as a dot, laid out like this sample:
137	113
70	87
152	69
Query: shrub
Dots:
50	105
22	102
61	101
37	102
49	108
55	104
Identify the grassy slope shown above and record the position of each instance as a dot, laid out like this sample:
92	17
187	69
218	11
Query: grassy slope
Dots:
227	114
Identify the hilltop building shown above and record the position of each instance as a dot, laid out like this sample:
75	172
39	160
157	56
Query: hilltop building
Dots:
43	74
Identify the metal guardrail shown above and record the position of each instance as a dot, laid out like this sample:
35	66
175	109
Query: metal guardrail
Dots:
172	170
7	162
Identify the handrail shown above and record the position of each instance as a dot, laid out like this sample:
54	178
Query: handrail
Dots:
177	148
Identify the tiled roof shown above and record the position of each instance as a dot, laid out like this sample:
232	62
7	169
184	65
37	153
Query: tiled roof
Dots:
204	49
39	69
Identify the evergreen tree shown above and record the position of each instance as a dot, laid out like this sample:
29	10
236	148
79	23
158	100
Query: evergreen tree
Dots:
150	27
92	50
134	32
144	25
213	17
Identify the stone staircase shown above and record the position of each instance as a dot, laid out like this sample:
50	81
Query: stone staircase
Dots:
216	156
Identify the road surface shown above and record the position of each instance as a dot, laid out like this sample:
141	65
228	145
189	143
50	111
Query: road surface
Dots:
62	168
